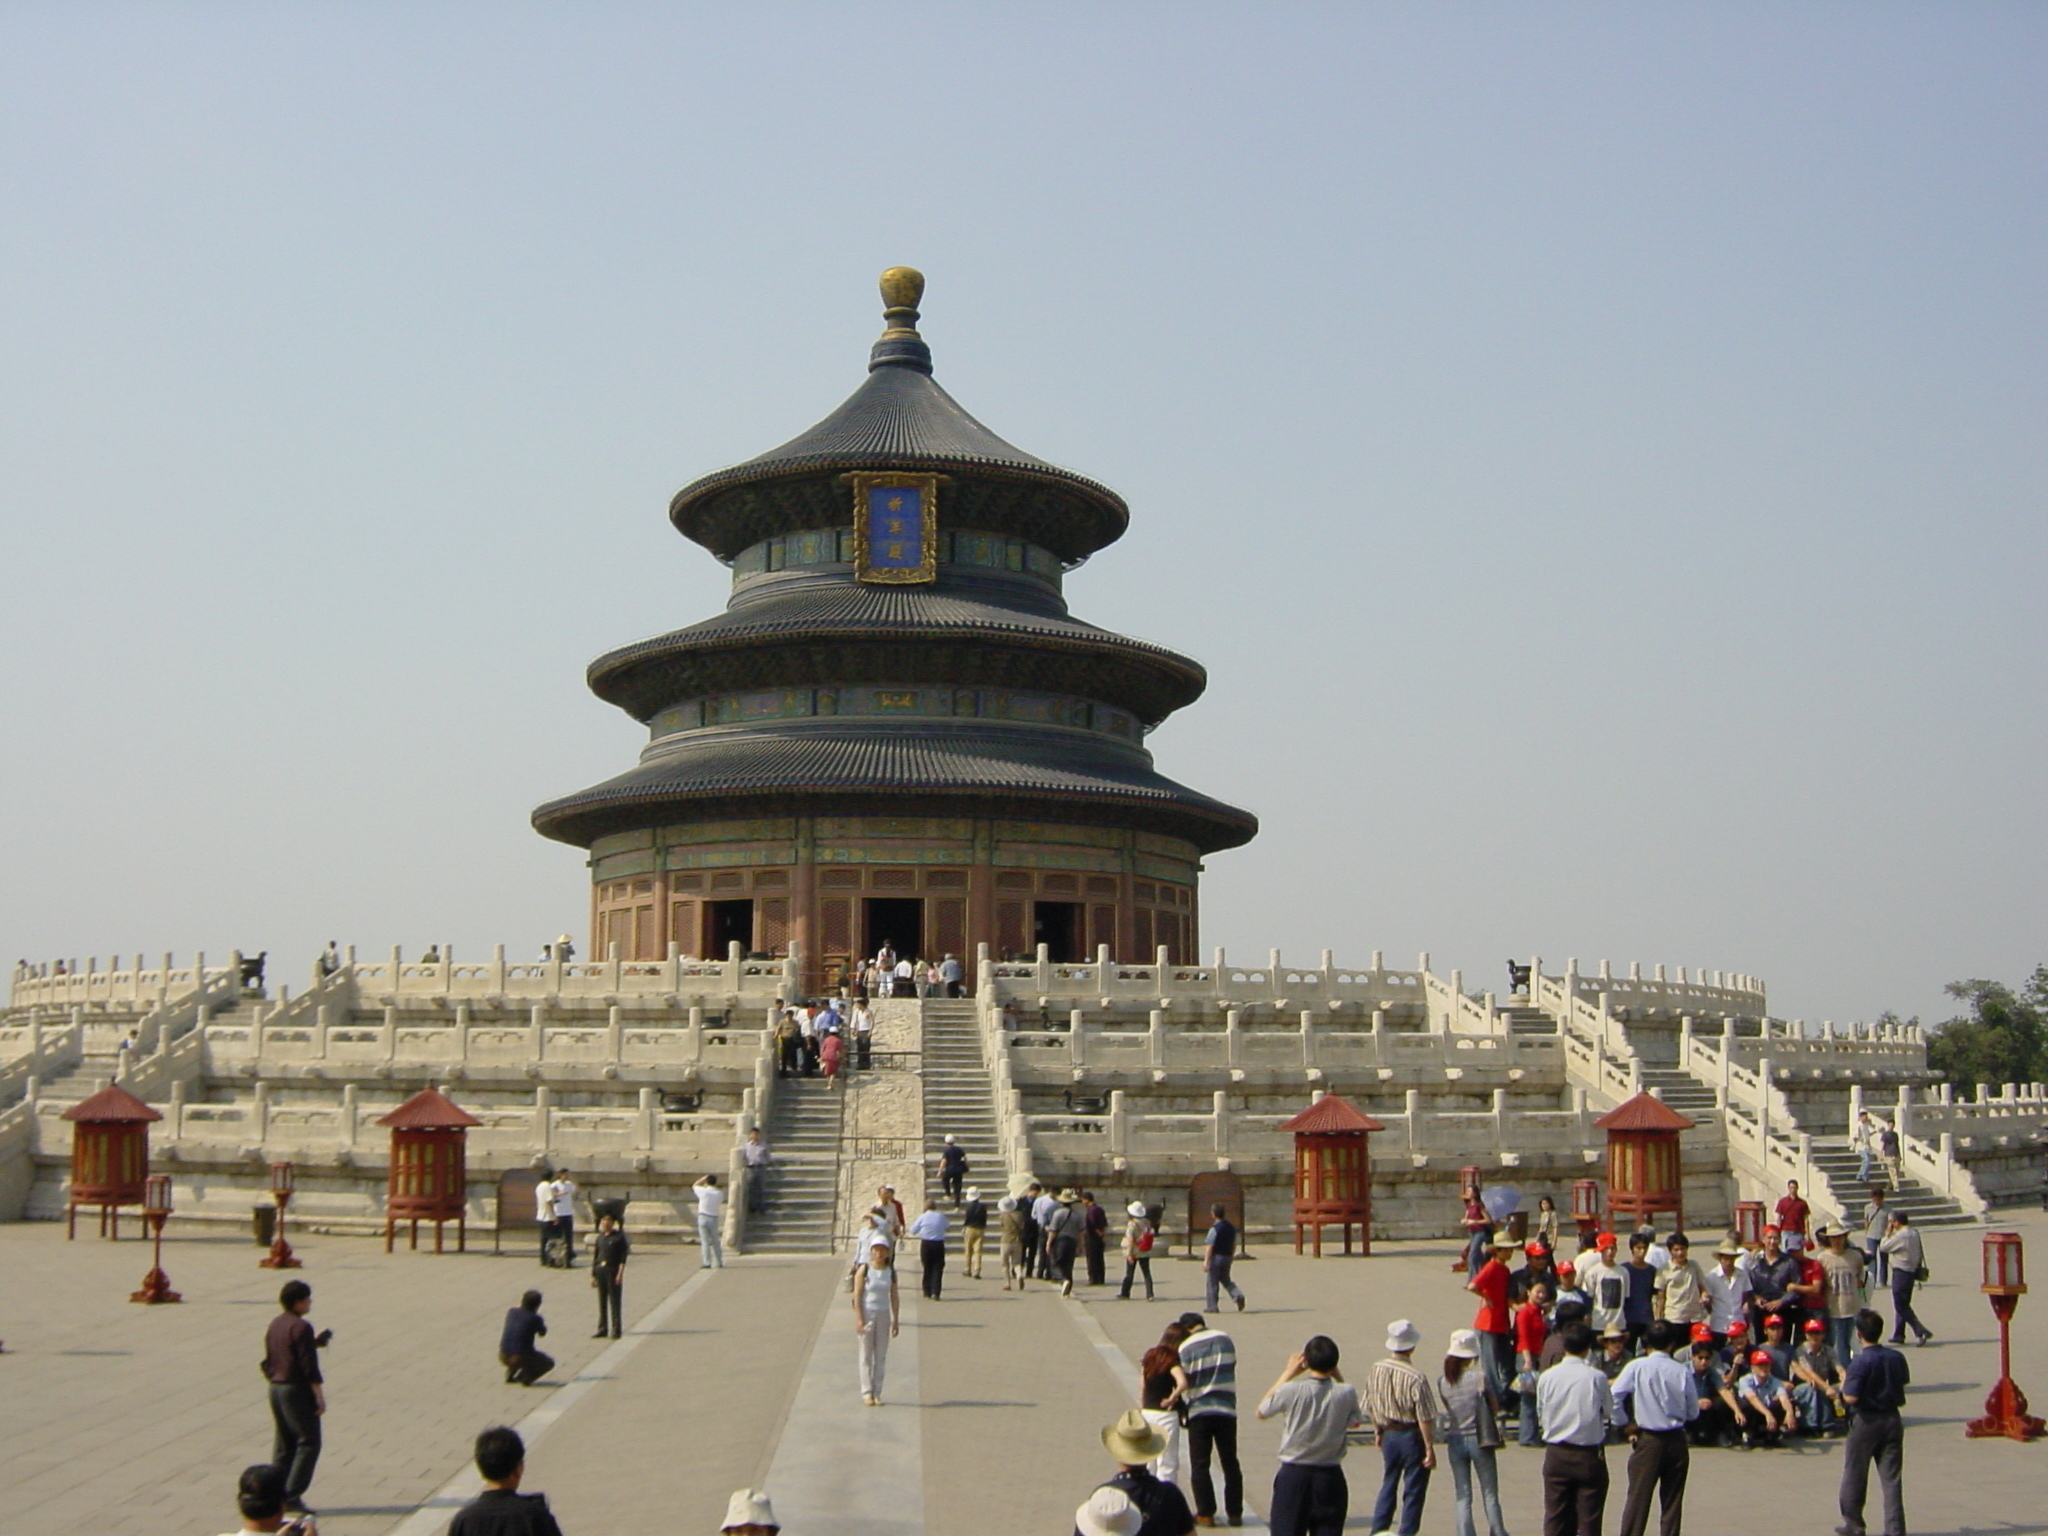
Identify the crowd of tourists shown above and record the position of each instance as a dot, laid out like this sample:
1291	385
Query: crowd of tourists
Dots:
888	974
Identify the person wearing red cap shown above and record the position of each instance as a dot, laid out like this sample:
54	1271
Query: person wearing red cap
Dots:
1568	1289
1778	1342
1817	1381
1772	1275
1765	1400
1601	1279
1715	1424
1536	1266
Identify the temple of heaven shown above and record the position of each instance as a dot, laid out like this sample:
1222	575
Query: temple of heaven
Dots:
895	732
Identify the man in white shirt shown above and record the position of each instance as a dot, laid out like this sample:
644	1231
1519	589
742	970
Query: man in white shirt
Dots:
863	1027
1727	1291
1575	1405
930	1231
1042	1209
544	1211
710	1212
755	1154
565	1216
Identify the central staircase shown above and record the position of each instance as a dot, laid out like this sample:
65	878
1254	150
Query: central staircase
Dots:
958	1098
803	1184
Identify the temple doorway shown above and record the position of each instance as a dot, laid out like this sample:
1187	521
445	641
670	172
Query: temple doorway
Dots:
1057	925
727	923
897	921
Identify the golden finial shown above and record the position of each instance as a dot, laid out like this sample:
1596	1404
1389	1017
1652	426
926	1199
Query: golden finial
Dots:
902	289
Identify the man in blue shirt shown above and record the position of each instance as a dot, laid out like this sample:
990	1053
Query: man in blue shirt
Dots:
523	1361
1875	1390
1657	1394
1218	1256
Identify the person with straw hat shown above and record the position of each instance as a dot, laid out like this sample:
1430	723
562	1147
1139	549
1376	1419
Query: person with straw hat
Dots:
1402	1406
748	1513
1161	1507
1310	1495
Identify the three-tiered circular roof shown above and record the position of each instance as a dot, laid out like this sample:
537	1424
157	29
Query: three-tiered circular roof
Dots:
963	629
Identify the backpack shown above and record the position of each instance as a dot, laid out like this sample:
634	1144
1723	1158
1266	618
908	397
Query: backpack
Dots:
1145	1238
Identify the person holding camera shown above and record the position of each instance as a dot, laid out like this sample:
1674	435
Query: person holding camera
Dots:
291	1364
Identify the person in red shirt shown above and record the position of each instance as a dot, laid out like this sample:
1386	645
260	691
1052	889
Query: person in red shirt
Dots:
1532	1327
1793	1214
1496	1336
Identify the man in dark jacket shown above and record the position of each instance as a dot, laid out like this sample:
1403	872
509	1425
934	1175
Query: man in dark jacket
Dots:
1094	1235
501	1509
608	1273
298	1395
517	1352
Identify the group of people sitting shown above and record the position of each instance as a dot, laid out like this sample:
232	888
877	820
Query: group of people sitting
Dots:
1768	1330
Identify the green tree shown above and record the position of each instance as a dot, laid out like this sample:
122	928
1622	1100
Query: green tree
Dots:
2001	1038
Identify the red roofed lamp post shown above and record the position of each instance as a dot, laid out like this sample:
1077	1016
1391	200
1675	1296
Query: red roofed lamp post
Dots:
429	1178
1332	1172
283	1180
109	1156
2005	1282
1643	1174
156	1209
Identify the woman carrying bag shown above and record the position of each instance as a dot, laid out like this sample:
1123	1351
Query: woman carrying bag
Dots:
1471	1428
1137	1249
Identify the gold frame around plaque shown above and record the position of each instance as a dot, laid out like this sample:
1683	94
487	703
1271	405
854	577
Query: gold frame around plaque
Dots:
928	567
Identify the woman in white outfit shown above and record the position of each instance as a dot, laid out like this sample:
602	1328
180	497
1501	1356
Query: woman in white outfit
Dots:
875	1302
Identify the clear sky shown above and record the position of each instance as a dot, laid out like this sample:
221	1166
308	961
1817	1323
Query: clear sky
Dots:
1598	451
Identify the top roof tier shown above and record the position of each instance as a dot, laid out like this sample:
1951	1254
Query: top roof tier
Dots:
900	419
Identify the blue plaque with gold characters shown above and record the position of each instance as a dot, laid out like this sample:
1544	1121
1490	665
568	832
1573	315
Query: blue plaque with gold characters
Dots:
895	527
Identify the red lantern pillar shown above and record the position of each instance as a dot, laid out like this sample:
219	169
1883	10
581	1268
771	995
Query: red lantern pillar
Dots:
1644	1175
109	1156
2005	1282
156	1209
283	1180
1332	1172
429	1174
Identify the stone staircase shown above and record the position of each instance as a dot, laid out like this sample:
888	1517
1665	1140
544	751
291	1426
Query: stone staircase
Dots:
1835	1158
1523	1019
1679	1090
958	1097
803	1130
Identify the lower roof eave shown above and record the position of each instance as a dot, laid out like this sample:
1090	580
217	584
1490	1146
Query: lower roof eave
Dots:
580	820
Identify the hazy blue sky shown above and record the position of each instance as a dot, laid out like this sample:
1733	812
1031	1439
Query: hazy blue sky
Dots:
1598	451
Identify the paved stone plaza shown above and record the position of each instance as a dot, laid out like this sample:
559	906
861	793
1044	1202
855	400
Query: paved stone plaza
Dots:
120	1418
